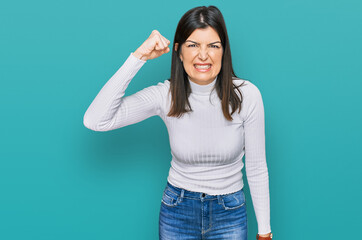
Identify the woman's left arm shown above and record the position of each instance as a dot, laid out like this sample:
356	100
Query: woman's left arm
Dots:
255	159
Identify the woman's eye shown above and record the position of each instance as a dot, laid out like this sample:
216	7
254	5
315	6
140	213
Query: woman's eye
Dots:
212	46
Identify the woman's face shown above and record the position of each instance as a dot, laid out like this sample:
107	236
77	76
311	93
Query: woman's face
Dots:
201	55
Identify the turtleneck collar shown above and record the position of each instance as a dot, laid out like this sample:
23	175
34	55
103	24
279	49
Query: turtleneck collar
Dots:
201	89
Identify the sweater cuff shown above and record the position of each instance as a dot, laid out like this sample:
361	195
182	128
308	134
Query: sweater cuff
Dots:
264	229
136	58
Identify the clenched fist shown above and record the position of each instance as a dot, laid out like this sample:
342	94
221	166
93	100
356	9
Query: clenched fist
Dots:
154	46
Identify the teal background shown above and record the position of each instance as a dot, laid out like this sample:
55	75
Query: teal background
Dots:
60	180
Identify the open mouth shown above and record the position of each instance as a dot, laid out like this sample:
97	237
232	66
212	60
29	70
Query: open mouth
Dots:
206	66
202	68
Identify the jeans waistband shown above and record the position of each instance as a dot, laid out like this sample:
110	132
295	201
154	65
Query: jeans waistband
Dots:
195	195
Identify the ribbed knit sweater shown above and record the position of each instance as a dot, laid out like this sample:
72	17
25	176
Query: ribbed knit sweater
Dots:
206	149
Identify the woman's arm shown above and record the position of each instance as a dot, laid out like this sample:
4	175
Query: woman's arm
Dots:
110	110
255	160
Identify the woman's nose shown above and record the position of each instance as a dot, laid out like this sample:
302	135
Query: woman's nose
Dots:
203	54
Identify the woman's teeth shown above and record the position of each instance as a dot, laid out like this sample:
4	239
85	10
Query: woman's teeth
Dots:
202	66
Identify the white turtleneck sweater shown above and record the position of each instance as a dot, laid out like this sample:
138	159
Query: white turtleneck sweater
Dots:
206	149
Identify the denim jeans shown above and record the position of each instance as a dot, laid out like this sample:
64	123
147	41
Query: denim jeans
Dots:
195	215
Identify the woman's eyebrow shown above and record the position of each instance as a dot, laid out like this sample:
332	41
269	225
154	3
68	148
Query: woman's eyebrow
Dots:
198	43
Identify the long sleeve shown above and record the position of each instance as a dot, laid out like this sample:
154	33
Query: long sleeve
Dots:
255	159
110	110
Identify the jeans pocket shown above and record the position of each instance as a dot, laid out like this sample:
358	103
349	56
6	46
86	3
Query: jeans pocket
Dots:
233	200
170	198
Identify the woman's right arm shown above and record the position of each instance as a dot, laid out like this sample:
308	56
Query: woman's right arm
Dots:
110	110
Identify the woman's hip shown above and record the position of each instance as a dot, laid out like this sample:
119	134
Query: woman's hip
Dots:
195	215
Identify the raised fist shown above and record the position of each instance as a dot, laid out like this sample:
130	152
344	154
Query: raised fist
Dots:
154	46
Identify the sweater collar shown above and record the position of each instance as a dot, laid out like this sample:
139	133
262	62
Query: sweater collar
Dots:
201	89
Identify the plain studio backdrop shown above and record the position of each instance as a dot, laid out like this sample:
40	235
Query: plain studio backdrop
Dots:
60	180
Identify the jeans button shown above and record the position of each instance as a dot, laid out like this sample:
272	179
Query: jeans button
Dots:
203	194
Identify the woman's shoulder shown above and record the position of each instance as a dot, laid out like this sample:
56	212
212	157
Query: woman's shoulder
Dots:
163	84
247	88
162	87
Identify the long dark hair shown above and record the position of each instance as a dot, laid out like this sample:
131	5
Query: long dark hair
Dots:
202	17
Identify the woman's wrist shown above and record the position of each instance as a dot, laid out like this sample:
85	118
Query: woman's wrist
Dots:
266	236
139	55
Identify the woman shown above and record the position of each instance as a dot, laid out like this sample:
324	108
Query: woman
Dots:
204	196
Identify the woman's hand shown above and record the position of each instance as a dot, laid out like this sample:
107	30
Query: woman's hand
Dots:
154	46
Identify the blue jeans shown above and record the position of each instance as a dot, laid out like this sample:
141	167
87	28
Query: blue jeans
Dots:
195	215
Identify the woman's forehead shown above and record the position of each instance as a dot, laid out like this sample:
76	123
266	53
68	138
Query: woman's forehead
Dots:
206	35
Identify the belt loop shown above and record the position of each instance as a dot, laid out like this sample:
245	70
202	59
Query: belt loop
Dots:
219	199
182	195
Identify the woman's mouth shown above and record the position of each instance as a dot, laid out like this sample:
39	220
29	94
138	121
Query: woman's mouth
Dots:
202	67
